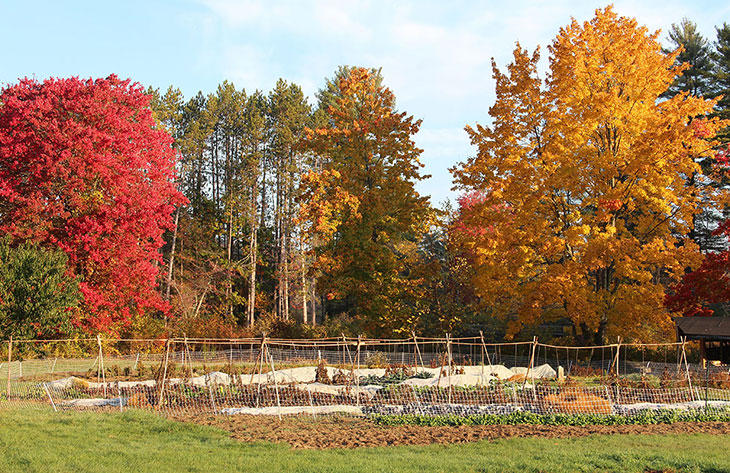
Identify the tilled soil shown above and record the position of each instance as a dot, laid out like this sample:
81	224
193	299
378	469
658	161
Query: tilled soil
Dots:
351	432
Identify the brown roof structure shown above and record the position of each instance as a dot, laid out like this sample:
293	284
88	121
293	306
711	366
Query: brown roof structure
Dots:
703	328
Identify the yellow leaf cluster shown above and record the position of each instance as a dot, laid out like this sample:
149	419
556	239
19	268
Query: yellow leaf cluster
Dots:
594	168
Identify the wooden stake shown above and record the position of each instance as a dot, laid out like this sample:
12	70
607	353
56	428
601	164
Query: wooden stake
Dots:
259	359
311	404
212	399
276	384
119	395
617	359
418	351
486	352
530	366
357	378
349	355
448	350
45	385
101	364
686	366
164	372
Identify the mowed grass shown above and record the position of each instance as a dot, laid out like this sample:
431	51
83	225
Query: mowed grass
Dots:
42	441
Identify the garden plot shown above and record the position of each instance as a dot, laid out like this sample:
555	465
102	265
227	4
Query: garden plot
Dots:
466	391
461	376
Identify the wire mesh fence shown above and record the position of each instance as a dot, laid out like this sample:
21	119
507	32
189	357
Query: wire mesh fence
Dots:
425	376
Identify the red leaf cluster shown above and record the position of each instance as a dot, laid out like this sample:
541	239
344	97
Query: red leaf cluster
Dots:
83	168
710	283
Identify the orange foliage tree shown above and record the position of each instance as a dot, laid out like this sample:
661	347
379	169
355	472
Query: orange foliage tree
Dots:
361	212
584	198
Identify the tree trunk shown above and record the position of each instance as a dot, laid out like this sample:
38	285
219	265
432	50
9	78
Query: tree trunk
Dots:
252	274
304	296
172	255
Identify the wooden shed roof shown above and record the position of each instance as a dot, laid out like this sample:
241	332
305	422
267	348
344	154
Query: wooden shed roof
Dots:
703	328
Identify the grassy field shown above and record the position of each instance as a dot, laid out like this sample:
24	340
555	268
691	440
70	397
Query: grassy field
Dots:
43	441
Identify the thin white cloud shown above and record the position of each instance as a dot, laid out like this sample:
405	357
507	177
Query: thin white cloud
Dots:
435	55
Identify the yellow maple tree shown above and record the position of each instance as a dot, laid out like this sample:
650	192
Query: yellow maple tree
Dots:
584	201
360	208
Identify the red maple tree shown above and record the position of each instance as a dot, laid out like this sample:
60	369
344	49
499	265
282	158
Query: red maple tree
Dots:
710	283
84	169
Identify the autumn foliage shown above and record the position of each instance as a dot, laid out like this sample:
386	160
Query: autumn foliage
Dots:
84	169
361	206
584	198
710	282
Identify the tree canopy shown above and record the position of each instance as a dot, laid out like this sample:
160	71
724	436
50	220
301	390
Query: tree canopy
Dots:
583	201
83	169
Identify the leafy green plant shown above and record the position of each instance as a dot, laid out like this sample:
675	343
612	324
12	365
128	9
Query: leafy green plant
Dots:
666	416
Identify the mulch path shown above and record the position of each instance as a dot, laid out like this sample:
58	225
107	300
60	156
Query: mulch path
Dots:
334	431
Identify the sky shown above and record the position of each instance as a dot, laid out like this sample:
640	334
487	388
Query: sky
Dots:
435	55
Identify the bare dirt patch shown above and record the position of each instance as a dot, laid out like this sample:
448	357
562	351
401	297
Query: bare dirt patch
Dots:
351	432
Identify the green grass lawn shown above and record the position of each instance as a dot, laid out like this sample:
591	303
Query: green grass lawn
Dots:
43	441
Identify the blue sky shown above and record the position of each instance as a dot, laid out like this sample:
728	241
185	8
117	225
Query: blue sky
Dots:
435	55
